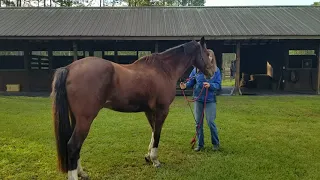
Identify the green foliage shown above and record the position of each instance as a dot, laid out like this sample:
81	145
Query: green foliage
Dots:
67	3
132	3
7	3
301	52
191	2
316	3
261	138
228	82
11	53
165	2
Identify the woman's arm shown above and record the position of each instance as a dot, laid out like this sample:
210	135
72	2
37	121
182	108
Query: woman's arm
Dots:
215	82
192	79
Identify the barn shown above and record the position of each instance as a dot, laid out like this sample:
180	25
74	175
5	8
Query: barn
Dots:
276	47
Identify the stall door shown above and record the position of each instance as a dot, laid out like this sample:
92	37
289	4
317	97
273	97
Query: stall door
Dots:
39	74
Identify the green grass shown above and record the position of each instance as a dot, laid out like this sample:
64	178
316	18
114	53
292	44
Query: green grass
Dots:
227	82
261	138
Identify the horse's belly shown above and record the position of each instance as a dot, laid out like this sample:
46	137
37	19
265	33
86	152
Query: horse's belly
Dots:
124	107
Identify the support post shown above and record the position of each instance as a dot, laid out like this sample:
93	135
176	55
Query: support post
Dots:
156	47
50	57
218	53
116	56
318	84
26	57
237	79
115	52
75	51
27	64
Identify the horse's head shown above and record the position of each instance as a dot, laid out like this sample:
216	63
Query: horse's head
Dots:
200	56
202	60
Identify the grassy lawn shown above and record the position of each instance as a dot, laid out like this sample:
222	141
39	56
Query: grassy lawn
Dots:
261	137
227	82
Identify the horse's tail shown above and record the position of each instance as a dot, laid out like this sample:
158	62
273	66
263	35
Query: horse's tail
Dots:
60	110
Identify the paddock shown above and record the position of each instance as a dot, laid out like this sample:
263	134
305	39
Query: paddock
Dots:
282	143
276	48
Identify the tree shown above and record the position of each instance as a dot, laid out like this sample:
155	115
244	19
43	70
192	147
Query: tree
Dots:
164	2
192	2
7	3
316	3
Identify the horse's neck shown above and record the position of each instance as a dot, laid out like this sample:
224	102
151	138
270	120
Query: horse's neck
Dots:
179	64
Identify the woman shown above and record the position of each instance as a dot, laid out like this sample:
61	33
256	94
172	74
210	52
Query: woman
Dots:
213	84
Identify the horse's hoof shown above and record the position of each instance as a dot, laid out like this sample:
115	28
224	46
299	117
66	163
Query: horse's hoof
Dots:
157	165
83	175
147	158
84	178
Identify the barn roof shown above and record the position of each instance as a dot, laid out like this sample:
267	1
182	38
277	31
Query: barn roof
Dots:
275	22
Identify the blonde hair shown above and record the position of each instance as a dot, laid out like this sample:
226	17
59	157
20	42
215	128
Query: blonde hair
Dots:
213	61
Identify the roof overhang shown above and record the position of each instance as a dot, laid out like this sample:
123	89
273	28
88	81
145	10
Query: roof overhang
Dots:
148	38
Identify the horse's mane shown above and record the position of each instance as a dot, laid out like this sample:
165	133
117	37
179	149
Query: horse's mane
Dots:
160	60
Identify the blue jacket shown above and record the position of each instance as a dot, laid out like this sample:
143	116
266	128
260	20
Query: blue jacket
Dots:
197	80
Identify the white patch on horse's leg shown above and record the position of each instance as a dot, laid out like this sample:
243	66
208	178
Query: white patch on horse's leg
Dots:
81	172
73	175
147	156
154	157
151	144
80	169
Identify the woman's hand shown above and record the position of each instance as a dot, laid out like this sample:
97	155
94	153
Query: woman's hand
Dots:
183	85
206	85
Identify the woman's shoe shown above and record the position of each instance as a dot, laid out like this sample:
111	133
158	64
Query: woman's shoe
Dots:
216	147
198	148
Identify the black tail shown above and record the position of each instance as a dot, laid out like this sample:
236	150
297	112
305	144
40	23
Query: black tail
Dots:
60	110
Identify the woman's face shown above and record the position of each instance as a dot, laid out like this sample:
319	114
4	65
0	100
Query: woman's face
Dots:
210	57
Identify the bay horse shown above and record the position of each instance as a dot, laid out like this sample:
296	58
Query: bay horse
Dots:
81	89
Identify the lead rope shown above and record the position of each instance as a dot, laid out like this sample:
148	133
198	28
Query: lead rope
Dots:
193	140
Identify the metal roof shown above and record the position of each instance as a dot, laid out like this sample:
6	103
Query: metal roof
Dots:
161	22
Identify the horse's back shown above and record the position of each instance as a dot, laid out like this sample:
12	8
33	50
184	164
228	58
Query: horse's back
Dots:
87	83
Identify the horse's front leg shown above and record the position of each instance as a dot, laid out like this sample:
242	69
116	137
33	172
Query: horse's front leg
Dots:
160	116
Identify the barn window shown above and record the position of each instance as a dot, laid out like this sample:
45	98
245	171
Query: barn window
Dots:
301	52
63	58
39	60
143	53
11	60
302	59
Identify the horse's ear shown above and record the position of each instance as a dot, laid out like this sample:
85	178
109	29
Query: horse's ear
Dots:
202	41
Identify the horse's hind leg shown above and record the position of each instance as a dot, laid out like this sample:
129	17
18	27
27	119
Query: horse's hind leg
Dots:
79	134
160	116
151	117
81	172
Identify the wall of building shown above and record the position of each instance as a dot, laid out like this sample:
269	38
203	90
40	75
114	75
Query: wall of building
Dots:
254	60
307	81
14	77
29	81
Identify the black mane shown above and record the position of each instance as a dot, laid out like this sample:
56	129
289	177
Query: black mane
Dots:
160	60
